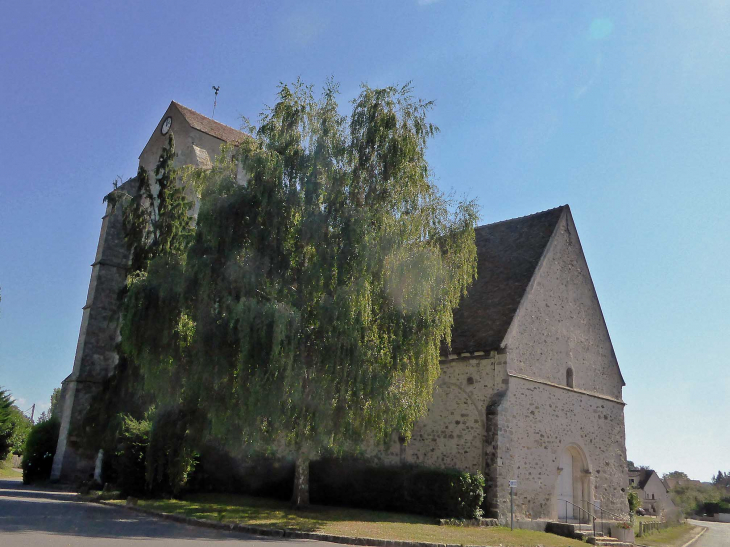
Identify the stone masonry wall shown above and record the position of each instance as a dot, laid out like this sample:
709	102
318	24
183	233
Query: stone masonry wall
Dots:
537	422
96	354
453	434
560	323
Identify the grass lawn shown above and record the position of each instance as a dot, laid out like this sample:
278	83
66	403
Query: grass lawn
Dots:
6	470
675	536
347	522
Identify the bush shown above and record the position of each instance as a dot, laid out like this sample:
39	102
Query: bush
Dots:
170	457
40	447
634	501
129	462
714	507
444	493
217	471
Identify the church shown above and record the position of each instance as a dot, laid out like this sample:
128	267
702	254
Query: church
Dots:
530	389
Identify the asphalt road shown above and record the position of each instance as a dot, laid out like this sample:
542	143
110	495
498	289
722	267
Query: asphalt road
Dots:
32	517
717	535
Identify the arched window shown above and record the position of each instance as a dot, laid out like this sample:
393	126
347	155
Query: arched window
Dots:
569	377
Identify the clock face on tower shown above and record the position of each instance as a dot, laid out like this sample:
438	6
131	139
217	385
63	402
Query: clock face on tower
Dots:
166	125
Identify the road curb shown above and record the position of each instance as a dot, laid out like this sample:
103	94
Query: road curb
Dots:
281	533
690	542
698	536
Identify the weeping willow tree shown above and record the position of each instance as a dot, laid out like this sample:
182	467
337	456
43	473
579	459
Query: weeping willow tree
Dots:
309	310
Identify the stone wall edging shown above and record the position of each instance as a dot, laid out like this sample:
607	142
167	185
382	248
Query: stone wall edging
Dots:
285	533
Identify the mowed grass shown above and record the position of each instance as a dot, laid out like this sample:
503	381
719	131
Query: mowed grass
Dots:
675	536
347	522
7	471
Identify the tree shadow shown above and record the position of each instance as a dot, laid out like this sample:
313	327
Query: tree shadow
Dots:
25	510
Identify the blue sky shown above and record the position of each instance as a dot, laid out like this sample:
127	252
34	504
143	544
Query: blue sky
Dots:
620	109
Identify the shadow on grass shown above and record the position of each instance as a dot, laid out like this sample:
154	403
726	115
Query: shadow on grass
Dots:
272	513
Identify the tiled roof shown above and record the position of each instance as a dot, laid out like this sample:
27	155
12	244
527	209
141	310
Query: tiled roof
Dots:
642	476
507	254
209	126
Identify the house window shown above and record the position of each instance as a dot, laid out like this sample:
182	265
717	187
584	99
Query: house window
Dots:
652	496
569	377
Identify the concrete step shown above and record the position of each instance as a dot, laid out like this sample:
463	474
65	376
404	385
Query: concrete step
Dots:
607	542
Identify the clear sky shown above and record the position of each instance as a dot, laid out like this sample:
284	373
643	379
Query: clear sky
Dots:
620	109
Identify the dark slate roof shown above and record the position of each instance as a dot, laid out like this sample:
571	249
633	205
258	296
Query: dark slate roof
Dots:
209	126
642	476
507	254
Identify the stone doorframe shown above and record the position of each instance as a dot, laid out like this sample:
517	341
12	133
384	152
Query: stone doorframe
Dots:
582	481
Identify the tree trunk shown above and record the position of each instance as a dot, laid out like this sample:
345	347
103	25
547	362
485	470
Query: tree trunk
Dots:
300	495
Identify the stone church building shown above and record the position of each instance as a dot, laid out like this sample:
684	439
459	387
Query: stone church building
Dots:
530	389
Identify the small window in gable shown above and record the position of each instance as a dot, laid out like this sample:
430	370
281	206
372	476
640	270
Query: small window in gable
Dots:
569	377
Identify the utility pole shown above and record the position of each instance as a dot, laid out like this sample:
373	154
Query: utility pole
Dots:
32	412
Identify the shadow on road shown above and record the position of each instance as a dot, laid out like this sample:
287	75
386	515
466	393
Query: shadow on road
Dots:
26	509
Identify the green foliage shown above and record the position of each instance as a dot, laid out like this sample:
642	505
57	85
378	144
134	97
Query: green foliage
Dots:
675	475
21	428
691	498
130	462
218	471
54	410
444	493
40	447
721	479
634	501
121	395
156	220
714	507
310	310
7	424
170	457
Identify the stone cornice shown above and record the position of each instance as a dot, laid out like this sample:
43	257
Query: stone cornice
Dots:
566	388
107	263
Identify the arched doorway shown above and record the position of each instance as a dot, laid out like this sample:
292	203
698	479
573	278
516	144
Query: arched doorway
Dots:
573	485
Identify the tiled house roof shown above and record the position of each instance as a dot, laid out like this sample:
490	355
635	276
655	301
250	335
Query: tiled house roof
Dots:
508	253
209	126
641	476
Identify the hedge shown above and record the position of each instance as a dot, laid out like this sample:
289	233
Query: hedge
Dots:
443	493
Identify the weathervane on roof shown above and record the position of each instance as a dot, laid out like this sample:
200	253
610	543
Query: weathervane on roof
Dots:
216	88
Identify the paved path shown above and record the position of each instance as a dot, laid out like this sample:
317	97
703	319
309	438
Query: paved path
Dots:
717	535
37	518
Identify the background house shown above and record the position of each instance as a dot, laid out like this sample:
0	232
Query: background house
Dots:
652	491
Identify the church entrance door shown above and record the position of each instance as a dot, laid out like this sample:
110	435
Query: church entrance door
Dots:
574	486
565	486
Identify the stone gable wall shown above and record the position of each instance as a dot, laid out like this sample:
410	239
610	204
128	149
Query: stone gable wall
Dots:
185	138
560	323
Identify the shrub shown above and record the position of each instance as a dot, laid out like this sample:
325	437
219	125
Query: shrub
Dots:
441	493
129	461
634	501
170	457
40	447
218	471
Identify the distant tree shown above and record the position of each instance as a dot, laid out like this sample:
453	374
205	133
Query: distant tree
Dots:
721	479
675	475
7	423
630	464
55	403
309	313
21	428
